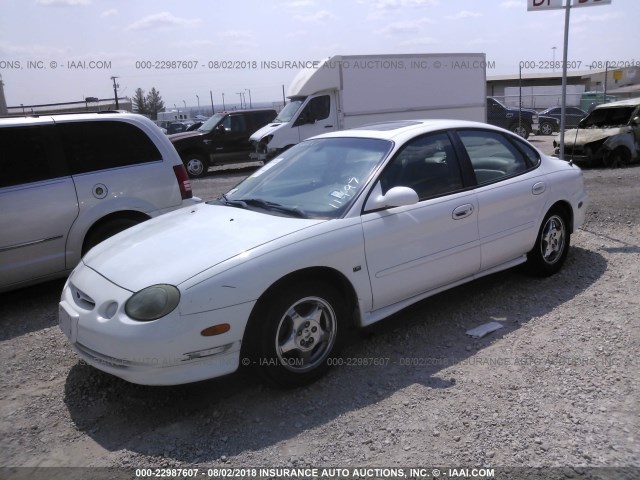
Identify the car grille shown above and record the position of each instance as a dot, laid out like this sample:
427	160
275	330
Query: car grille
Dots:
81	299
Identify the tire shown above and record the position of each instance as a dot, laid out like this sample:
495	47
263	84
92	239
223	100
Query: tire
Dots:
619	158
300	331
523	130
552	245
546	129
109	229
195	165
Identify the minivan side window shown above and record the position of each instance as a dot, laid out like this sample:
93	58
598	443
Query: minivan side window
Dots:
26	155
92	146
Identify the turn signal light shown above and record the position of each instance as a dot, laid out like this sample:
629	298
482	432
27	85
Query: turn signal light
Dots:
215	330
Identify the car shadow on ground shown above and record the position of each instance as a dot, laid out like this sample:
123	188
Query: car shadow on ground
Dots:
205	421
41	315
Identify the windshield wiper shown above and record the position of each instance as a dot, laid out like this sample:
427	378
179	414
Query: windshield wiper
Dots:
258	202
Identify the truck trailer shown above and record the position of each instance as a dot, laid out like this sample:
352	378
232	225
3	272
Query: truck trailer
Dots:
350	91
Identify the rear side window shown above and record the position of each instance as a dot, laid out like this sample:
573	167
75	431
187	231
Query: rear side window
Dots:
92	146
492	156
26	155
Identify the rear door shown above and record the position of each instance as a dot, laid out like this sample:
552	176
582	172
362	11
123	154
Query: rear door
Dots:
38	204
511	194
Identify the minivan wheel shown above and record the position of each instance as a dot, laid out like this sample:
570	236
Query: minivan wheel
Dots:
195	165
552	245
108	229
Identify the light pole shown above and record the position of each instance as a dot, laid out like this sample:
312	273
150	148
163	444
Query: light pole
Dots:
198	103
250	104
553	65
224	108
185	107
240	94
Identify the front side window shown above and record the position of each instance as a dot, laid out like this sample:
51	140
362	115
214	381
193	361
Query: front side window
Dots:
317	109
92	146
492	156
427	164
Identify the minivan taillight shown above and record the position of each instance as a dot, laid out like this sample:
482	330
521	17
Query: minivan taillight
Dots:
183	181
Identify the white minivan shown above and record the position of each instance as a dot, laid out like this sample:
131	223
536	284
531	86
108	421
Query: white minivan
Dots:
68	182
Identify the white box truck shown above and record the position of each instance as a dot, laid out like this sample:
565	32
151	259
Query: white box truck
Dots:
350	91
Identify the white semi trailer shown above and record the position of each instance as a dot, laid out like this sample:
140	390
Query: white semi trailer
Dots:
350	91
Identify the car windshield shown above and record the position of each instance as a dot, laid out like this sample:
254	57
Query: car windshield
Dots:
608	117
212	122
289	110
319	178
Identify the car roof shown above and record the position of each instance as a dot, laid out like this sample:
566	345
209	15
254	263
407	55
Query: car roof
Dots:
68	117
630	102
398	129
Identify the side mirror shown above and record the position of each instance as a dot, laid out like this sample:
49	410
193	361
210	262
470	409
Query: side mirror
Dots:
635	121
395	197
220	129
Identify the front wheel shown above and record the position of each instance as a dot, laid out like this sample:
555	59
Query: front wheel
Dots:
195	165
619	158
298	333
552	245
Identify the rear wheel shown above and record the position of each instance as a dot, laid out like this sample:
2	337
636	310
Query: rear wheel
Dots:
552	245
546	128
108	229
298	333
196	165
521	129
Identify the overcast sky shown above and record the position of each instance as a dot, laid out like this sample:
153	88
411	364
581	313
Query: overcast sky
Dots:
45	43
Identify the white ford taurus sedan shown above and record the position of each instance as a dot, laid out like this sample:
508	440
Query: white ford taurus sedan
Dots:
341	230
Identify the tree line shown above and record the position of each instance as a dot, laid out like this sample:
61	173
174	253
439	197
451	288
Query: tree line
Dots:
149	104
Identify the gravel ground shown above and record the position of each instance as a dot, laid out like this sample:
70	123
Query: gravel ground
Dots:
557	386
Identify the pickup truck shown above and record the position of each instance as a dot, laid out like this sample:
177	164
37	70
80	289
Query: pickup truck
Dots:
521	122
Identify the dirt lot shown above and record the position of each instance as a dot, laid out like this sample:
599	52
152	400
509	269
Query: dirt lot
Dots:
557	386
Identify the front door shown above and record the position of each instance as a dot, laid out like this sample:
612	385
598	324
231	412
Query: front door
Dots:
318	116
417	248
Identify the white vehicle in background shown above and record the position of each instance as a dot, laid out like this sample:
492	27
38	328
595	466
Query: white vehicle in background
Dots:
354	90
67	182
341	230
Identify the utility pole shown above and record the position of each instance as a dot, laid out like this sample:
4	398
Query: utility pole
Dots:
115	91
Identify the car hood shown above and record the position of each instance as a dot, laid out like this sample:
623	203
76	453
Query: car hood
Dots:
264	131
179	136
176	246
588	135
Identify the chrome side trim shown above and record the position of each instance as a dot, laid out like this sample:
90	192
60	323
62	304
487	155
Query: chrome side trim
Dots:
29	244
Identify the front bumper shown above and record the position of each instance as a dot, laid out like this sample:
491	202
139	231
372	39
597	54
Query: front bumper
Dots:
167	351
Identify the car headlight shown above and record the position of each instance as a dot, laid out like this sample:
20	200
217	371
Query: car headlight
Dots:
152	303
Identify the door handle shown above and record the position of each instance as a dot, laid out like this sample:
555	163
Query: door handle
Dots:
328	126
463	211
